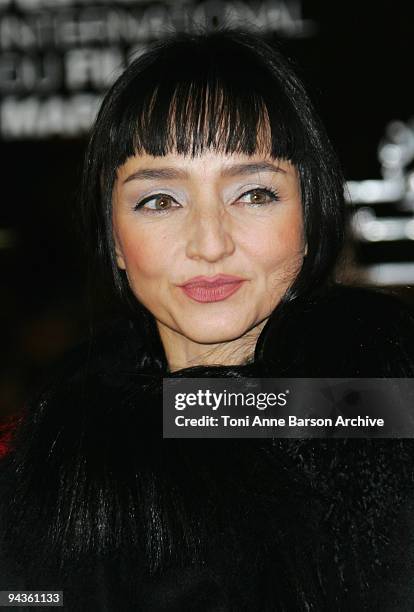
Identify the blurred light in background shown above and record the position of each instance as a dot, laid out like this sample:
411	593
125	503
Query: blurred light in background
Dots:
383	212
57	57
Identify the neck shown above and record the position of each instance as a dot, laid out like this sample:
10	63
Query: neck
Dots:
182	352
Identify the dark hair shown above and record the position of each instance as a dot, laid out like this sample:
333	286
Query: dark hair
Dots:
215	90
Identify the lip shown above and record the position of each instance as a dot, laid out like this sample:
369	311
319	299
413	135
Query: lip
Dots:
212	289
210	281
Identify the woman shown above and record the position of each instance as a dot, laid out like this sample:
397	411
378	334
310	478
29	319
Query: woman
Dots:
207	160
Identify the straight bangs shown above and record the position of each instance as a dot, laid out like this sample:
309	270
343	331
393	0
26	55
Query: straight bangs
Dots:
192	105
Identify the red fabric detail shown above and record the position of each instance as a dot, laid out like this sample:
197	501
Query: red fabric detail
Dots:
7	429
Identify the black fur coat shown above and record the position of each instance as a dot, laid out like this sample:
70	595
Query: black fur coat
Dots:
96	503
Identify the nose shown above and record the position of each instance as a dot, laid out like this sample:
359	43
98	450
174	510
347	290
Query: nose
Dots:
208	237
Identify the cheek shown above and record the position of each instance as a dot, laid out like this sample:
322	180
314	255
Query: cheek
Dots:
278	243
145	254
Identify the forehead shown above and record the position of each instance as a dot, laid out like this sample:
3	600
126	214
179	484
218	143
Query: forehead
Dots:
175	166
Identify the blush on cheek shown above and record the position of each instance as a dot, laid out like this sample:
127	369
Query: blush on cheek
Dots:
282	256
146	252
279	247
148	265
289	241
138	255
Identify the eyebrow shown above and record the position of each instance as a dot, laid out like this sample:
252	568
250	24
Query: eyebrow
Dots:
228	171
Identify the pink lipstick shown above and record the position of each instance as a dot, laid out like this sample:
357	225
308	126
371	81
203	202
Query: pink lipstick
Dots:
213	288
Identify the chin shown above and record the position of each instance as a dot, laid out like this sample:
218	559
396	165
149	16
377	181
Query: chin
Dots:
210	332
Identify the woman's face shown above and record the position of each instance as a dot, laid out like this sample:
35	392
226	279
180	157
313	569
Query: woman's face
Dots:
177	217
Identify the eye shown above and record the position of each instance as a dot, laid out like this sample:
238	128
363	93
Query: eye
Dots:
159	202
259	196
